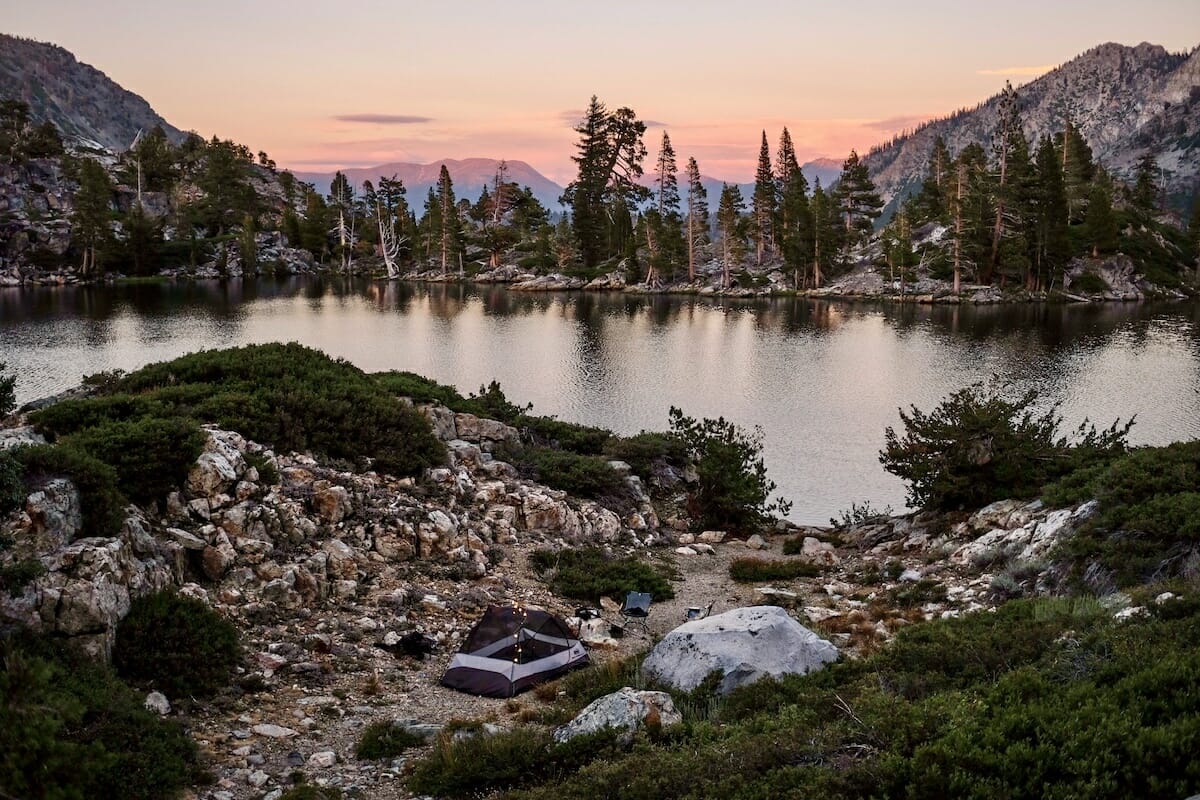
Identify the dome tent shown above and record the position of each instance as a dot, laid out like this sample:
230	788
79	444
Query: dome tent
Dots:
512	649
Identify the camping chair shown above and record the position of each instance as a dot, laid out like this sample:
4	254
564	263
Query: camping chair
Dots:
635	610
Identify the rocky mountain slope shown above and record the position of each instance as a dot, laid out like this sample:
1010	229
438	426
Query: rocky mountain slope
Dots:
1126	101
81	100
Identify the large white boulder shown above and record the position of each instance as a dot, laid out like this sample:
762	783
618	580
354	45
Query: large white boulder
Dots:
746	644
625	710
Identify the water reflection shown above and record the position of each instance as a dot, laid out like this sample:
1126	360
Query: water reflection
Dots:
823	379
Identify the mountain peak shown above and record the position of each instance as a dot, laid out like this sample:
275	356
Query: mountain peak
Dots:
78	98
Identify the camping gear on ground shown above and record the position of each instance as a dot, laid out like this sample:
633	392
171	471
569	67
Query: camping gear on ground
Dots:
587	612
512	649
698	612
635	610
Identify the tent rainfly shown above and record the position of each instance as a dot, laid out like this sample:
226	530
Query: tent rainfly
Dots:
512	649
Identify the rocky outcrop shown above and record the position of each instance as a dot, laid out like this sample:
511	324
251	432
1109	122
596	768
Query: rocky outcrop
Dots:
623	711
745	645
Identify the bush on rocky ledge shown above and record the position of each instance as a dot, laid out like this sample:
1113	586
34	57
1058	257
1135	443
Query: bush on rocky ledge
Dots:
176	644
283	395
590	573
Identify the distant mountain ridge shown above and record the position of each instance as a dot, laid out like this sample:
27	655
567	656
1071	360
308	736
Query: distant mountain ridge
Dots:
81	100
469	175
1126	101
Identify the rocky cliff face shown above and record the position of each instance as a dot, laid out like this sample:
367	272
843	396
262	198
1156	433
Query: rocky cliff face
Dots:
1126	101
81	100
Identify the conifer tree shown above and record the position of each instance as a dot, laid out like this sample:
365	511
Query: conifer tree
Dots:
763	204
1144	196
933	198
1101	224
90	220
1053	246
1077	169
857	201
697	215
662	223
729	216
794	215
609	156
897	247
827	233
448	209
1007	139
431	224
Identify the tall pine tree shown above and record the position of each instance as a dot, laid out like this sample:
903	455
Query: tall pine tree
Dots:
729	218
763	203
1053	244
697	216
857	201
795	228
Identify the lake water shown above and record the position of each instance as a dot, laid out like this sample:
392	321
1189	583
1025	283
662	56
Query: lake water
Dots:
822	379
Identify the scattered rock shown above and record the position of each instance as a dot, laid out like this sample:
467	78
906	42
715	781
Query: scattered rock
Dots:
625	710
157	702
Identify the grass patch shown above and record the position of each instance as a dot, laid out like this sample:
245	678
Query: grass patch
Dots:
384	740
756	570
591	573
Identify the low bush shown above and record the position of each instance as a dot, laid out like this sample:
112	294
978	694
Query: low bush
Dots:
1149	518
176	644
1089	283
590	573
384	740
419	389
8	394
642	450
70	729
554	433
979	446
482	763
1047	698
152	457
733	490
308	791
283	395
100	497
755	570
16	576
12	483
583	476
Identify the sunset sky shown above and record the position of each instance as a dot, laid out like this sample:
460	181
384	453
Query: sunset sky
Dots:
323	85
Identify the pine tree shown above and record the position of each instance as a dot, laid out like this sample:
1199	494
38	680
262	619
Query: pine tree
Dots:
666	182
448	208
314	231
662	223
1101	224
1077	169
828	233
697	215
1144	196
729	216
609	156
763	204
933	199
857	201
1053	245
1007	139
897	247
431	223
90	221
794	214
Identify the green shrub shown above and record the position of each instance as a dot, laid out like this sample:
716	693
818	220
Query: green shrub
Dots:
583	476
755	570
554	433
16	576
384	740
590	573
909	595
484	763
100	498
641	450
733	488
176	644
310	791
1149	519
268	473
70	729
283	395
1089	283
12	483
8	394
420	389
152	457
978	446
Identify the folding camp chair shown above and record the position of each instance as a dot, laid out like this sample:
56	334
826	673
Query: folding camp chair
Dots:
635	610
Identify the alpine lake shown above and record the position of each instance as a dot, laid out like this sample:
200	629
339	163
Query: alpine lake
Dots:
821	378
